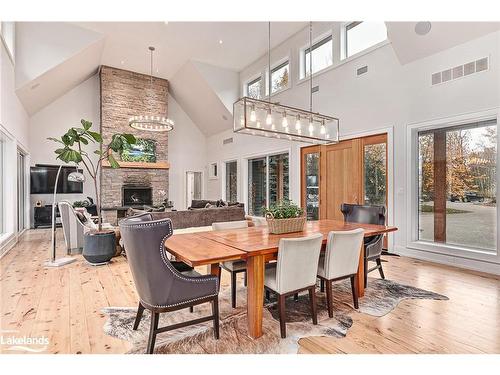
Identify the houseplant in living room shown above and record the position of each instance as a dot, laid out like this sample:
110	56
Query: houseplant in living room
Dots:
285	217
99	244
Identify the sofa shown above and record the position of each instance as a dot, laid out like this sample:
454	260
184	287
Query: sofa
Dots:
199	217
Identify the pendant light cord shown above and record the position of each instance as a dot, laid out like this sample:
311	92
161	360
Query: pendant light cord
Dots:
310	68
269	58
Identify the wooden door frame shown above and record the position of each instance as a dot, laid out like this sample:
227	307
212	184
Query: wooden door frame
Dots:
389	131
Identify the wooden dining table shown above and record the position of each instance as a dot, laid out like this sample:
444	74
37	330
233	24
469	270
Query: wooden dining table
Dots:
257	246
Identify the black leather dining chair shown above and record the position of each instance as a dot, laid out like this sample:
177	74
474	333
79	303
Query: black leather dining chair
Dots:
160	285
367	214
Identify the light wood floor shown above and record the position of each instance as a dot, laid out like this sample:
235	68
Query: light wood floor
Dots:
64	305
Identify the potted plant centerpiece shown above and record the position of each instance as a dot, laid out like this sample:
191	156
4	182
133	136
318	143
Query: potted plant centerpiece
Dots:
99	244
285	217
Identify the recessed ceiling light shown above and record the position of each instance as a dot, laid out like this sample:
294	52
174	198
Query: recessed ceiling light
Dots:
165	22
423	28
220	41
122	62
224	117
35	86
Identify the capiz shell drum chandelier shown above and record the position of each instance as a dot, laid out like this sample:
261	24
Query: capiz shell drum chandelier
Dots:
152	123
264	118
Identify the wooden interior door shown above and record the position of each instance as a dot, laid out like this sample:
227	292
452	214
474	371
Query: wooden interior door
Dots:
341	177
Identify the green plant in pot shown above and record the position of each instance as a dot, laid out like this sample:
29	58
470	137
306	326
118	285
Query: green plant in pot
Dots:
285	216
99	244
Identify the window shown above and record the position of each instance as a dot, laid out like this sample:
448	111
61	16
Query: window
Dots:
457	185
279	77
21	191
2	185
322	57
268	182
362	35
212	171
311	170
253	88
232	181
375	173
7	31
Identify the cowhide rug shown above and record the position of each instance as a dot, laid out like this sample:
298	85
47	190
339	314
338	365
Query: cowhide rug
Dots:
381	297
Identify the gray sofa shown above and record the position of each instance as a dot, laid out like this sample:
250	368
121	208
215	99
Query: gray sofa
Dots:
198	217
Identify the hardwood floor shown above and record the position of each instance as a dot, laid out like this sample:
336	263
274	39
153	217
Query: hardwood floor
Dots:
64	305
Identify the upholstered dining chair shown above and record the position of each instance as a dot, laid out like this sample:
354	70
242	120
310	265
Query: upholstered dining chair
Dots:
340	261
368	214
294	272
160	286
237	266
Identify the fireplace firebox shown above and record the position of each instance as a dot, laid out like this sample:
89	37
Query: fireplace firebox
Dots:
133	195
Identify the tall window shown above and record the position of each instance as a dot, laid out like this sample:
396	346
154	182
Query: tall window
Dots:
280	77
457	185
268	182
322	56
194	187
8	34
2	184
254	88
232	181
375	173
311	166
21	191
362	35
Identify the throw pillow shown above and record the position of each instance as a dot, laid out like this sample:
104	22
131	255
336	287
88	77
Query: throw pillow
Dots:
208	205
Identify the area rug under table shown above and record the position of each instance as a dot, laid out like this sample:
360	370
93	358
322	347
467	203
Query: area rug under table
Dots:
381	297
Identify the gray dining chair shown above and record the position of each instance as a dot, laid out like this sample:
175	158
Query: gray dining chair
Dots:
236	266
160	286
340	262
368	214
295	271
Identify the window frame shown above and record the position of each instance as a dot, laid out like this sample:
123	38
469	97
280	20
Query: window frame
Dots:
467	254
251	81
344	42
11	52
275	67
317	42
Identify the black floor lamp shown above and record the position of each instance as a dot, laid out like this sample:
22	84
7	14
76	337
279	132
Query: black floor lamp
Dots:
53	262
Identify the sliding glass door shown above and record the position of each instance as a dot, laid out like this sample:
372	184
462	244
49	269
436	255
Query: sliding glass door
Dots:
457	185
268	182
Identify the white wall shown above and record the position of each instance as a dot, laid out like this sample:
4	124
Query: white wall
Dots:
13	122
54	120
186	152
390	95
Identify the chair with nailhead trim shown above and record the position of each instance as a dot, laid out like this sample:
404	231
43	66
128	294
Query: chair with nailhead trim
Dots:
160	286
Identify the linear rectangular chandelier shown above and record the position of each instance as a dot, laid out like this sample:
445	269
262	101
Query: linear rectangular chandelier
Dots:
266	119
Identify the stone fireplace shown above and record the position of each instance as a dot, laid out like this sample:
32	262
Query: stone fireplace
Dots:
125	94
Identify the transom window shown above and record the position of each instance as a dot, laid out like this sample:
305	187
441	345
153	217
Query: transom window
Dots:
322	56
254	88
362	35
280	77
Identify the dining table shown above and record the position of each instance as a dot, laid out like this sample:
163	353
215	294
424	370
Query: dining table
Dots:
257	247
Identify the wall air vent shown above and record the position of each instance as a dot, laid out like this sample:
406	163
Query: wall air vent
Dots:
460	71
227	141
362	70
315	89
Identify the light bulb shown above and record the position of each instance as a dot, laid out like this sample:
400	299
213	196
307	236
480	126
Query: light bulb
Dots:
242	122
269	118
253	117
258	124
284	122
322	129
273	127
298	125
311	126
299	131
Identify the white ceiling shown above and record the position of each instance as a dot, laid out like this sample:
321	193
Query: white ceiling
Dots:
409	46
178	42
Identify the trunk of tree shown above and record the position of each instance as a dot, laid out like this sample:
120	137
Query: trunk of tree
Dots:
98	205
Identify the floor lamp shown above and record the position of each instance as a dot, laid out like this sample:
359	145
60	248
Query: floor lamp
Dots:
53	262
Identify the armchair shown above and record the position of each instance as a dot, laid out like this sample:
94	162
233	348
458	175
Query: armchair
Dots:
366	214
160	286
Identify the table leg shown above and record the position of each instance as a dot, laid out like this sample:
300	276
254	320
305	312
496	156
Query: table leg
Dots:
255	294
214	269
360	276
